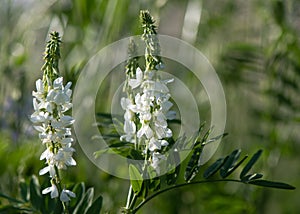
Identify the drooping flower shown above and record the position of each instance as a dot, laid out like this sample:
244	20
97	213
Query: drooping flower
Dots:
66	194
52	190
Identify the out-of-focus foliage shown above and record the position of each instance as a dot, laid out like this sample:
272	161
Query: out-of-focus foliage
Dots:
253	45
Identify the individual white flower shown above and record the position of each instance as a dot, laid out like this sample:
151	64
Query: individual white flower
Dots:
66	194
126	103
66	141
64	158
39	93
53	191
129	125
47	154
156	158
134	83
154	144
49	169
145	130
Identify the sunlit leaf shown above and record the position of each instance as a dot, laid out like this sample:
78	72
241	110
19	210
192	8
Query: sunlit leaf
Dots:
95	208
79	190
86	202
35	194
135	178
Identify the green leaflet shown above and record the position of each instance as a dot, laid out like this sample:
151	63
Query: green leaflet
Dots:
212	169
86	201
35	193
251	162
272	184
95	208
135	178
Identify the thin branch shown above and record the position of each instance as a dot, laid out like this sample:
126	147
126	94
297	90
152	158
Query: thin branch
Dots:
181	185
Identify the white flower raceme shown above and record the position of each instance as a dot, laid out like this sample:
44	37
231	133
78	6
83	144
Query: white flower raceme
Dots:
147	113
50	103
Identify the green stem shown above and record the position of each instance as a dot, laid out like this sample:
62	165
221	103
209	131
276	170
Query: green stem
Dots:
133	201
58	184
129	197
178	186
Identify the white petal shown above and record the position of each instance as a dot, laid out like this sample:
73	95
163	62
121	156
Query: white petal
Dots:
70	193
39	128
154	144
68	86
129	127
61	98
67	140
134	83
67	120
65	194
171	115
149	132
139	74
166	106
71	162
168	133
50	96
47	190
52	171
145	130
54	191
64	197
164	143
46	154
58	83
44	170
39	85
35	104
124	103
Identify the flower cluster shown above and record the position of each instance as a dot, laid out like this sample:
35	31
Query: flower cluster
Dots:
146	114
53	128
51	100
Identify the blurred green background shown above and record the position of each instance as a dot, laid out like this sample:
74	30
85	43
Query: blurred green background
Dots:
253	45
